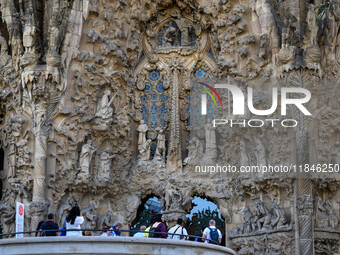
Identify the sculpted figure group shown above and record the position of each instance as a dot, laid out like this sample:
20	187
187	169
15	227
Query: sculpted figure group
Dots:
261	219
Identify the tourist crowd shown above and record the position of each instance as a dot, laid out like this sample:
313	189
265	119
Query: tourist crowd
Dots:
157	228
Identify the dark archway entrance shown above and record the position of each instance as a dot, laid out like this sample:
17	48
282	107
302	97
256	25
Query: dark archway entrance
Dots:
150	206
204	209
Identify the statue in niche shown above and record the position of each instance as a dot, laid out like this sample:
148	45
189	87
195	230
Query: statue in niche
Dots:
3	51
210	142
144	151
288	29
106	220
104	109
105	165
262	216
85	160
184	26
142	129
160	149
29	33
168	39
279	220
11	158
90	216
260	153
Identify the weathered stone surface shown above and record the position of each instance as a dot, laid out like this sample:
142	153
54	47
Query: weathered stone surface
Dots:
77	71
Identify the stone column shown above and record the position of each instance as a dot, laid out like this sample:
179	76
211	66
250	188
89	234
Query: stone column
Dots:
304	194
174	162
38	207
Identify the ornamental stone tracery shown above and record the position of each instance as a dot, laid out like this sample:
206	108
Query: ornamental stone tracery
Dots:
101	106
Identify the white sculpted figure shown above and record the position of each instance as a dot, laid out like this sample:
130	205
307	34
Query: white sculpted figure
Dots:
142	129
105	165
160	150
104	109
144	150
195	149
85	160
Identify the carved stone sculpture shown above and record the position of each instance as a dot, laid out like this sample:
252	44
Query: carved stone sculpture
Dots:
90	216
142	129
262	216
12	159
144	151
195	149
106	220
104	109
85	159
104	171
279	220
160	149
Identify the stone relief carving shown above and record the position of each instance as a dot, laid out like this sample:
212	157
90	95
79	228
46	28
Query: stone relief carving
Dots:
261	220
85	159
325	216
104	171
211	35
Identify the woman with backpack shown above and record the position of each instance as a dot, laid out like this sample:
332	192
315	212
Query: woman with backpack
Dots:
159	226
73	221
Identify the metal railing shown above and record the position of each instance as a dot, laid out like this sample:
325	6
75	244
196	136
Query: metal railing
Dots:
105	230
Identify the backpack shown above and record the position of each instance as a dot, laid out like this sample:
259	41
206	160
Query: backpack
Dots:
214	236
152	233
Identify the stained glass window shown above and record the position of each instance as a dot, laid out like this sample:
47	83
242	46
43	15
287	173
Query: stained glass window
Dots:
194	100
153	100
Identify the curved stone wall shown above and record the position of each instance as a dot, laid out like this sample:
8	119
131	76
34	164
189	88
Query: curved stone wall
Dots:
107	245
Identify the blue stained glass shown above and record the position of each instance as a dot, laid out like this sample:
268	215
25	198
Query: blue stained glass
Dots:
148	87
160	38
145	114
195	86
163	111
153	97
190	113
210	51
154	75
144	99
164	98
153	117
200	117
159	87
189	98
200	73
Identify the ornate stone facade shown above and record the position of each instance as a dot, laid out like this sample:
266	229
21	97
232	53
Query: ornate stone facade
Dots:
99	106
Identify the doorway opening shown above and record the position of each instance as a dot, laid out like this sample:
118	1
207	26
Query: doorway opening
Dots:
149	208
204	210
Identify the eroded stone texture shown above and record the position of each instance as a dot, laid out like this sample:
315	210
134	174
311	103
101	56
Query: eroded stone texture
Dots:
99	104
